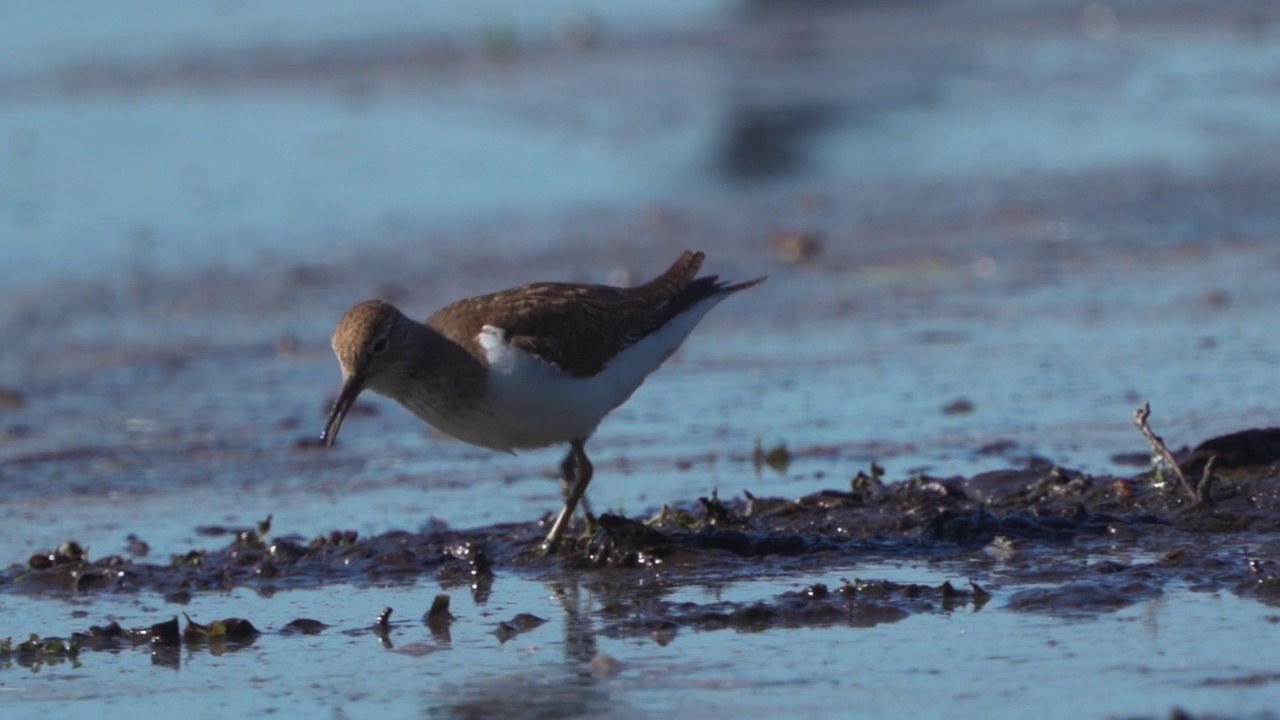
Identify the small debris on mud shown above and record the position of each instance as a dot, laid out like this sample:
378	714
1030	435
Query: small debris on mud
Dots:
439	621
18	431
163	639
382	625
11	399
68	552
228	630
287	345
795	246
1243	681
521	623
304	626
36	651
776	458
716	513
439	617
1217	298
998	447
136	547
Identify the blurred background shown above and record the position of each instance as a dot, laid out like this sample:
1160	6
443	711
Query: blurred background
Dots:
993	228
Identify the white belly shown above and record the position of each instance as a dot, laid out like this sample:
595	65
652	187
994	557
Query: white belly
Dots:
531	403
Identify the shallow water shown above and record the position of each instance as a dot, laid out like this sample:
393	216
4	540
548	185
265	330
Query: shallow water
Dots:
1198	651
1017	208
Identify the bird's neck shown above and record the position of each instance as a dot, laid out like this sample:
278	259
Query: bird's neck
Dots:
438	365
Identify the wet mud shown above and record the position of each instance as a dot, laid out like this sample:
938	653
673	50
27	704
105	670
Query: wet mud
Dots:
1062	542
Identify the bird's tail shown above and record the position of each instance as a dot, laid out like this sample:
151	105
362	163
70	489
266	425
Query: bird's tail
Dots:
676	278
679	287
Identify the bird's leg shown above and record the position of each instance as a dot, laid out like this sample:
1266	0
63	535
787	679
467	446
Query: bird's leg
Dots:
582	477
568	473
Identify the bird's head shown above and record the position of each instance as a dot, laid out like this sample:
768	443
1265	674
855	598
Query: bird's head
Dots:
370	342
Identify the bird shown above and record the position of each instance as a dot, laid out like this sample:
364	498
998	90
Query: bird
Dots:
534	366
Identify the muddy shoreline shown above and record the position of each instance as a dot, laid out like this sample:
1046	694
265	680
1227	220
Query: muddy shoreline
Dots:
1037	528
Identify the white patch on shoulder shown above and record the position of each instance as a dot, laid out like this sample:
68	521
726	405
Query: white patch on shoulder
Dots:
496	350
531	402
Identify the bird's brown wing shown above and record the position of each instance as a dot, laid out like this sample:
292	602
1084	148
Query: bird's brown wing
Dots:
579	328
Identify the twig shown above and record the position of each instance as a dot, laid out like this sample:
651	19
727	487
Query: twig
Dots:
1162	451
1206	480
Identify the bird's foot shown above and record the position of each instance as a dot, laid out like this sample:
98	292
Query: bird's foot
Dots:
556	541
589	527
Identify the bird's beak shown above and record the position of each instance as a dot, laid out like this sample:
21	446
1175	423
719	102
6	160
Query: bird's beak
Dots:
351	388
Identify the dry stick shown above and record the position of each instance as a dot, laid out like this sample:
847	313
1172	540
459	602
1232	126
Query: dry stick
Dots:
1159	448
1206	478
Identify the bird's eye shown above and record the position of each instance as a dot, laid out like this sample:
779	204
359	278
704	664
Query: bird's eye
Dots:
378	345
